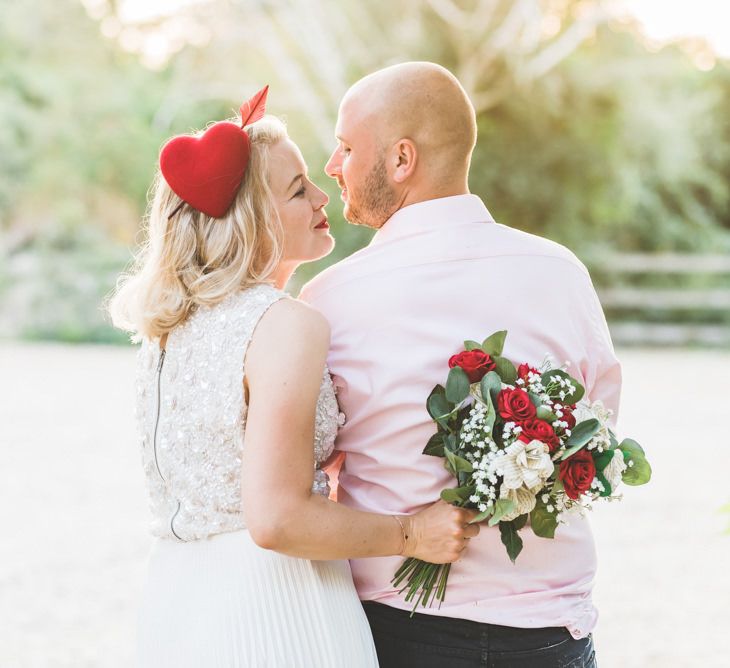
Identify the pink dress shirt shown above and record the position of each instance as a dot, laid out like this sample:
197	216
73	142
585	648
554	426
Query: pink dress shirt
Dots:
437	273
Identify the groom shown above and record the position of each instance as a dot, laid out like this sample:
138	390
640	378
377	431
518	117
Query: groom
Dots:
438	271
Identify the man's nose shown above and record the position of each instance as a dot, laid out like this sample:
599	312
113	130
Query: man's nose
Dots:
333	168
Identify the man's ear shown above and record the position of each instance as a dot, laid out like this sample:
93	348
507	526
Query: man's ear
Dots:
404	157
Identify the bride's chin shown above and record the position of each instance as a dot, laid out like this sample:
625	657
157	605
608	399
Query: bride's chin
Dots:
328	245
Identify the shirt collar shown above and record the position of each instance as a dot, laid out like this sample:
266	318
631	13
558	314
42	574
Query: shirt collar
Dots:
432	214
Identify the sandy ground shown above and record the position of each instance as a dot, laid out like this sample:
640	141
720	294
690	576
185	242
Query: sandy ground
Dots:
74	517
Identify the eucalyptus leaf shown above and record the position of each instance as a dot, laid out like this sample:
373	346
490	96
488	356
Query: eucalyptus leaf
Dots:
457	494
457	385
606	485
458	464
630	445
490	385
450	442
544	413
536	401
638	472
602	460
481	516
505	369
501	508
571	398
494	344
580	435
543	523
435	445
436	404
510	539
439	409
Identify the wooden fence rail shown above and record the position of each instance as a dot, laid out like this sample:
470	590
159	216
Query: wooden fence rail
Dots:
674	315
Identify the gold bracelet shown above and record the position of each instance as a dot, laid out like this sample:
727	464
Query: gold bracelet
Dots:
404	535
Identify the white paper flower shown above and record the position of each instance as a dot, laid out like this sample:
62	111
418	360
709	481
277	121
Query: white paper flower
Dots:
524	501
586	410
614	469
527	464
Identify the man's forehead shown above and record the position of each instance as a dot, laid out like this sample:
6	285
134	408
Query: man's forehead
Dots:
353	118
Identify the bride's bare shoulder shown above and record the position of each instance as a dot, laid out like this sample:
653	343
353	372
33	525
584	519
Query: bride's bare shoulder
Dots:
291	328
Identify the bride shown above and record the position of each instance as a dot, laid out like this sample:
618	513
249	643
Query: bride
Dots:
237	413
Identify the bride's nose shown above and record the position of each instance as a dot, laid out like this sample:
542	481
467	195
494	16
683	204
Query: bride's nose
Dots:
320	199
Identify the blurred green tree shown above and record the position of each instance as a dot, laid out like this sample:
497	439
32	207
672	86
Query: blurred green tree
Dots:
585	136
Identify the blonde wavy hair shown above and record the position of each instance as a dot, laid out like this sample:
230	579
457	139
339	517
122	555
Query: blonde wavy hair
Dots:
192	259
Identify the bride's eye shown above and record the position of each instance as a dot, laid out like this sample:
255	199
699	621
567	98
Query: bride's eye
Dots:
300	192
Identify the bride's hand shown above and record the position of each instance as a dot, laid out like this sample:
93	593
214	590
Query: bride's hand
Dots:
439	534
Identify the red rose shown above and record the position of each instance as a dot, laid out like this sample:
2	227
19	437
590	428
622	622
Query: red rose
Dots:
476	364
515	405
577	473
525	369
539	430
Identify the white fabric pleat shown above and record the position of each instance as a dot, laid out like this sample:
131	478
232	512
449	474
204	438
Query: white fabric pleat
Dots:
224	602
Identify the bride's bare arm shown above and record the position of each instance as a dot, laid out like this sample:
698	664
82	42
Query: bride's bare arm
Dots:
283	368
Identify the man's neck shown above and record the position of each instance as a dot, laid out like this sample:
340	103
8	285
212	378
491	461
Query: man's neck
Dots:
424	194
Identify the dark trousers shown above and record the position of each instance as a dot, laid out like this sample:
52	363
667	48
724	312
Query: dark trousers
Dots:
428	641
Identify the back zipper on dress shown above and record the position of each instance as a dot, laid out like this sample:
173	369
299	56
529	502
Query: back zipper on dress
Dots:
160	363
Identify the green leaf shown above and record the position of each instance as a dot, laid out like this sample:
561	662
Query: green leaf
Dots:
631	446
606	485
543	523
481	516
457	385
638	473
602	460
438	407
520	521
458	464
494	344
572	397
581	434
457	494
450	442
544	413
501	508
490	385
505	369
510	539
436	403
536	401
435	445
472	345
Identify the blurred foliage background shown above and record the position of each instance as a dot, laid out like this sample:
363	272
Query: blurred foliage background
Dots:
586	135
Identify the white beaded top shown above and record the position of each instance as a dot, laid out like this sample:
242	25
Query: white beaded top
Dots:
191	450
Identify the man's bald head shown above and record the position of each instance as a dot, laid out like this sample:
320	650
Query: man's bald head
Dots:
421	101
405	135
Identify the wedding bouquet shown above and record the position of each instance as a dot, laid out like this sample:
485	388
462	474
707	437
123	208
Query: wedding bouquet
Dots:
523	443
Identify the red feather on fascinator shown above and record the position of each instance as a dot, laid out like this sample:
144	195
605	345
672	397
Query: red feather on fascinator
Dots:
206	171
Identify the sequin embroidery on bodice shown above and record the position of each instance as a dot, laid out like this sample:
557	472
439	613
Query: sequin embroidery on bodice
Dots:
191	417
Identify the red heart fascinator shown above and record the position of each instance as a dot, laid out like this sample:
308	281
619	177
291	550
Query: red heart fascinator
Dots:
206	171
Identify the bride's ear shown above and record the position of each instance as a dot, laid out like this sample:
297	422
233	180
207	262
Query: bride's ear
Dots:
404	157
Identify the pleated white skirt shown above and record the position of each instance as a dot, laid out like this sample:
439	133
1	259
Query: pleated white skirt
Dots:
224	602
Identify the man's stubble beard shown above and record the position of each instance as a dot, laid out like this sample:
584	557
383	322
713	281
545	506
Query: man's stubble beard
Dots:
376	202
